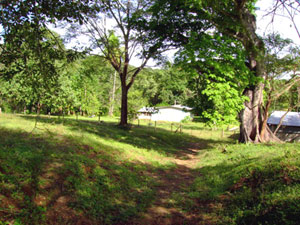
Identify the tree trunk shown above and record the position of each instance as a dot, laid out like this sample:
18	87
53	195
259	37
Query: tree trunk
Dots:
253	115
38	109
249	116
124	106
266	116
112	99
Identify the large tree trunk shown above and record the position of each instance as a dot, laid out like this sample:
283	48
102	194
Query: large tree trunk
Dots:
253	126
252	117
124	106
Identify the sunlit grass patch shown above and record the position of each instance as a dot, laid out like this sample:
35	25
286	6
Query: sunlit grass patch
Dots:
255	183
65	170
78	170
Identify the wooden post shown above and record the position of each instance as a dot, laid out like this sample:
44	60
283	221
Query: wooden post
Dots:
99	118
49	115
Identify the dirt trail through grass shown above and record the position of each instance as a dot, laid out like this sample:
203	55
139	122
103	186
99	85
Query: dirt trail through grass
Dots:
84	173
171	192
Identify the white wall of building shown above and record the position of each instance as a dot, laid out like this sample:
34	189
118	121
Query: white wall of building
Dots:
144	117
170	114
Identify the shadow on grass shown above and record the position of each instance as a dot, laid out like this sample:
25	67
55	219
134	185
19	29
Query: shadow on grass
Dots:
55	179
58	179
47	179
160	140
44	180
251	191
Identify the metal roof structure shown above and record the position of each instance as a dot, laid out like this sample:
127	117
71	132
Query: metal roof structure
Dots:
155	109
291	119
182	107
147	110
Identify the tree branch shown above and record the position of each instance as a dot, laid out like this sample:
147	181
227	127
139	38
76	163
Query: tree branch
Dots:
282	118
291	83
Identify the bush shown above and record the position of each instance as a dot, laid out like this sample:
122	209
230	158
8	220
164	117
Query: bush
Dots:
186	119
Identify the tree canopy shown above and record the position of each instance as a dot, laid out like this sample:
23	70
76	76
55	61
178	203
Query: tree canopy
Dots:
223	66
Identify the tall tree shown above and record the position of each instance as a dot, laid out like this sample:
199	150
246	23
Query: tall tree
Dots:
213	61
234	19
26	50
35	62
23	20
119	42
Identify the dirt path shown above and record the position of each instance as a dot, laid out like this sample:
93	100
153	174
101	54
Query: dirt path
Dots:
176	182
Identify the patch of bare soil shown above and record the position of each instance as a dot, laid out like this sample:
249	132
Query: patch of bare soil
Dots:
176	182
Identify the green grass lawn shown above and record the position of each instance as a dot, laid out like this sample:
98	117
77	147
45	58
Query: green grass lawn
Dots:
68	171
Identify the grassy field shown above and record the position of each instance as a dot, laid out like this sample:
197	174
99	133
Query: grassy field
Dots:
68	171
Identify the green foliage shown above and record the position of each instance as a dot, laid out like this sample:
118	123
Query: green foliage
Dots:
83	85
172	87
91	83
214	61
210	52
163	86
282	62
255	184
98	169
32	72
186	119
100	173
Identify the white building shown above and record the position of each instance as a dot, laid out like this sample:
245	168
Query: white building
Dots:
173	113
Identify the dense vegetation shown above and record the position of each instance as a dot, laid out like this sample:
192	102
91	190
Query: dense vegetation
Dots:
214	72
88	86
70	171
71	151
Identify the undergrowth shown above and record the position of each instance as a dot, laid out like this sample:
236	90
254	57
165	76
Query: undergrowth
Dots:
67	171
254	184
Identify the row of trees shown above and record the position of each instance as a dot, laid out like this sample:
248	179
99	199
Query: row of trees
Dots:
86	85
218	46
89	86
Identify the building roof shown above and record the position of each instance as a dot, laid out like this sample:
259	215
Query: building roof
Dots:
155	109
182	107
291	118
147	110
